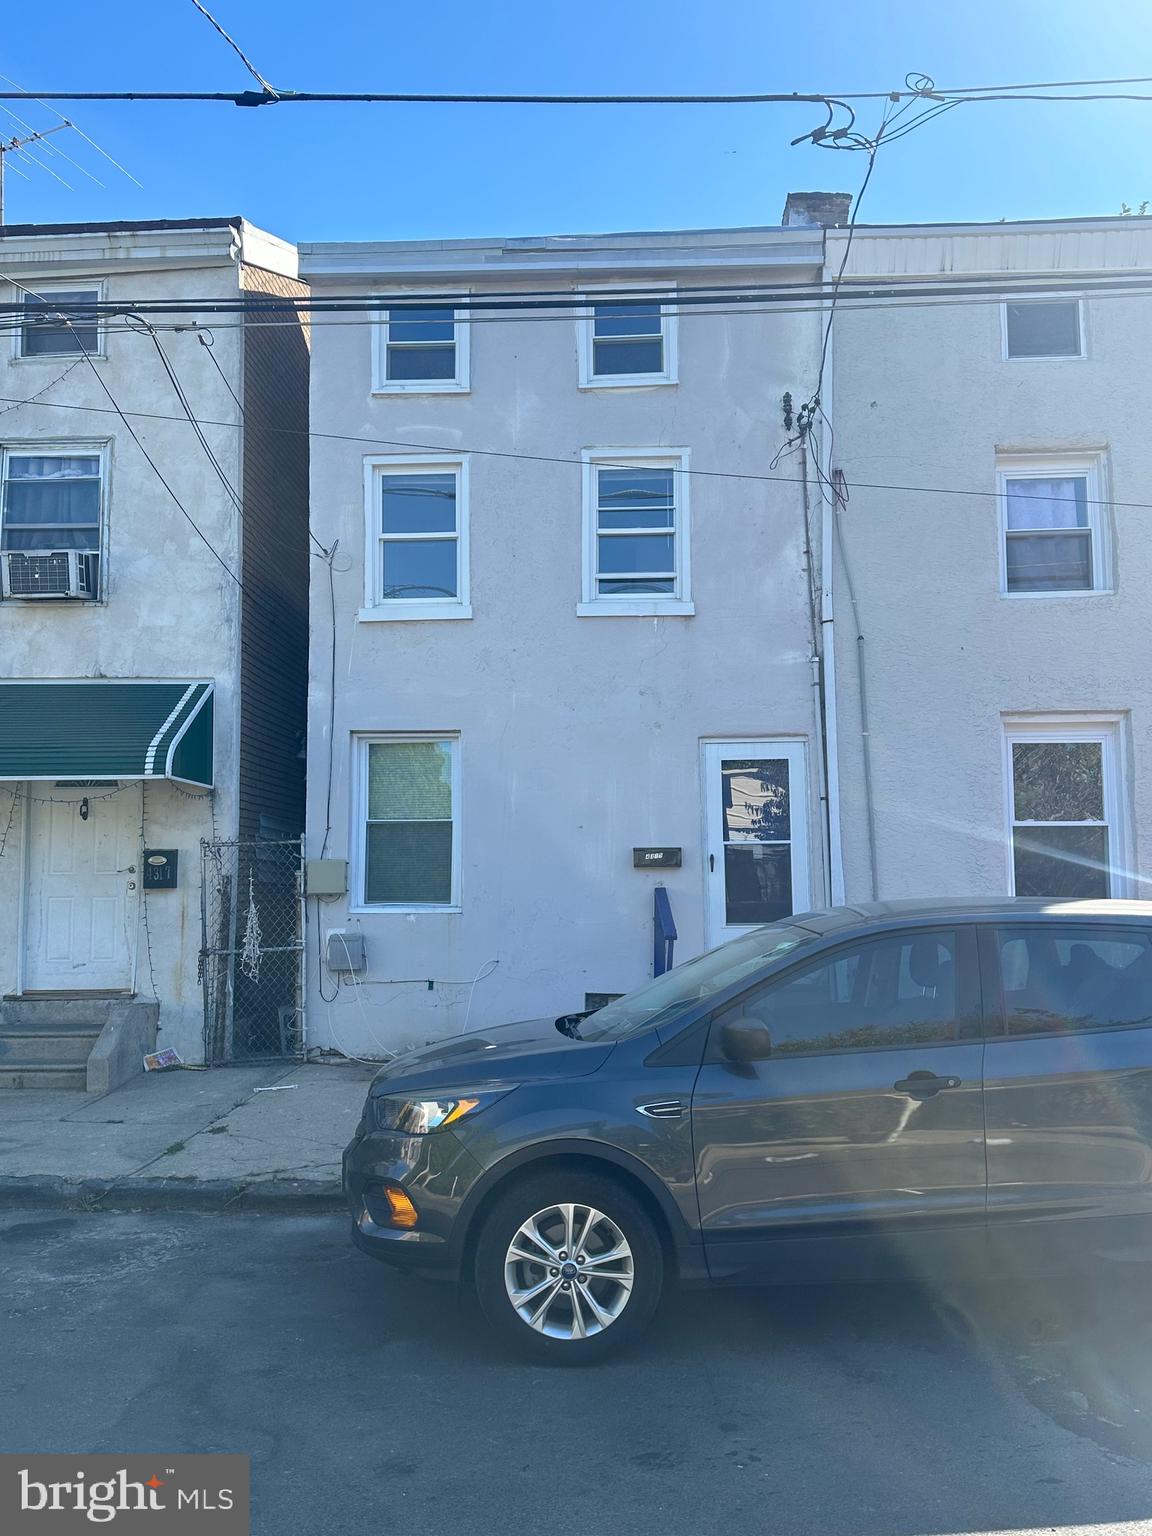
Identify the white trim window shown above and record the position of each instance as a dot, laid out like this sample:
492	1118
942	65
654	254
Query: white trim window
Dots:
407	813
1042	329
1065	819
623	341
416	557
421	348
1053	539
636	533
60	321
51	519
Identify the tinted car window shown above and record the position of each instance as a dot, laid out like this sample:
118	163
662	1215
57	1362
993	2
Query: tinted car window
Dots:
1060	980
891	991
666	998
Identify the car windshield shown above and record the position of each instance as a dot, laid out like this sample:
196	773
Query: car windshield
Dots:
667	997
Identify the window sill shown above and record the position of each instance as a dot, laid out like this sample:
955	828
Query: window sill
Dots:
1053	357
55	357
1062	597
636	608
629	381
383	614
386	911
423	387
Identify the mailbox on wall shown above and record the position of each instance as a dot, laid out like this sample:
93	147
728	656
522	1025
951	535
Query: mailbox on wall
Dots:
656	858
160	869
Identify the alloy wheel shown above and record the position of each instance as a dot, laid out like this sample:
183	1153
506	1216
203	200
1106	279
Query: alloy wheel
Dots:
569	1271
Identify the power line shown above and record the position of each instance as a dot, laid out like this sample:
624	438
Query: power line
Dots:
546	458
682	299
182	396
236	48
754	98
852	302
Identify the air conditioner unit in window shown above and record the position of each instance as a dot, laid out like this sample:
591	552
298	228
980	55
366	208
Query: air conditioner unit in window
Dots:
55	574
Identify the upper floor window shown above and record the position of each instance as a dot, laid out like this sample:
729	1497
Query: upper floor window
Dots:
628	341
1053	535
417	551
59	321
421	348
1043	328
636	537
50	523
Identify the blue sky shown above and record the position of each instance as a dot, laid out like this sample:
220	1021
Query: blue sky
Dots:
360	172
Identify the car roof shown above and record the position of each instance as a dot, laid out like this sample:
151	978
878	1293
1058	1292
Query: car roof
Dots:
890	914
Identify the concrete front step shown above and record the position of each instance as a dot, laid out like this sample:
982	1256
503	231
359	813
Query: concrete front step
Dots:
19	1048
45	1074
85	1042
25	1015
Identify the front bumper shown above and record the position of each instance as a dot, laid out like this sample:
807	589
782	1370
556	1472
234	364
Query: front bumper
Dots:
434	1171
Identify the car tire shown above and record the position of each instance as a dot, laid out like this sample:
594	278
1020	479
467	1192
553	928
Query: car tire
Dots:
607	1302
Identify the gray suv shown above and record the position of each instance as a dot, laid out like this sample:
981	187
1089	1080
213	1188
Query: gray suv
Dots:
891	1089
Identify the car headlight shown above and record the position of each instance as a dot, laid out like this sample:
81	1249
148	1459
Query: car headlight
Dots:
419	1117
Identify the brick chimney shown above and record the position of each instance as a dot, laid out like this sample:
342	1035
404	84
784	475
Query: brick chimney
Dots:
822	210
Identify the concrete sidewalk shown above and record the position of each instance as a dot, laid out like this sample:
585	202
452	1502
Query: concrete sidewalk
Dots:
186	1139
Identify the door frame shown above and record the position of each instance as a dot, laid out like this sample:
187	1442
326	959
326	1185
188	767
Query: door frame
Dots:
132	928
795	750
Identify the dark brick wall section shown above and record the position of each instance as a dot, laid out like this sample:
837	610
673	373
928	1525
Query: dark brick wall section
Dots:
274	564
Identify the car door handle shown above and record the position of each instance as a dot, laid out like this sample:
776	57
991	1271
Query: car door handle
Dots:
923	1085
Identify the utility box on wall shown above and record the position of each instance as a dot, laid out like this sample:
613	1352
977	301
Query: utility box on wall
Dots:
657	858
326	877
345	950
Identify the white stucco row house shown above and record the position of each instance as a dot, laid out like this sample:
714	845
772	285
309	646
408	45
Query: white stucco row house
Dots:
995	535
593	638
153	630
638	614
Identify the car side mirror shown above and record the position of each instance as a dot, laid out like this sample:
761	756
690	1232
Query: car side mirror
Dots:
745	1039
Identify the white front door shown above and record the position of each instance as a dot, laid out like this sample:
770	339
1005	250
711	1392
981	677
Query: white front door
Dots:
83	889
756	825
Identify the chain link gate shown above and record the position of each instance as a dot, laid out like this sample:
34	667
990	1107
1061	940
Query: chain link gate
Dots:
252	949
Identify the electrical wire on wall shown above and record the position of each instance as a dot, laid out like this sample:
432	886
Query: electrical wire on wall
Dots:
144	894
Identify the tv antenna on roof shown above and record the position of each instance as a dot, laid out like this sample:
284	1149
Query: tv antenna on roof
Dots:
17	145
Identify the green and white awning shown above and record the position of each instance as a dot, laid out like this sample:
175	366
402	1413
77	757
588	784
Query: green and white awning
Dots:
106	730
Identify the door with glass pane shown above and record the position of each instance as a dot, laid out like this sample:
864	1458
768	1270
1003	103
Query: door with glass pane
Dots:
756	825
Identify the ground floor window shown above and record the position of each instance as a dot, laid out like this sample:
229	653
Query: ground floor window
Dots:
1065	808
407	807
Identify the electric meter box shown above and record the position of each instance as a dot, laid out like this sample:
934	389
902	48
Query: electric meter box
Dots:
326	877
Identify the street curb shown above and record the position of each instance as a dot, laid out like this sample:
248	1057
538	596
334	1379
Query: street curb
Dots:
137	1194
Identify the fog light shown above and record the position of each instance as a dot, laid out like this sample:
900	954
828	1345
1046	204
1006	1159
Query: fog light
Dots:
403	1211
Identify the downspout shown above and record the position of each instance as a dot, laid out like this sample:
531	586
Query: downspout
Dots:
831	714
862	684
828	699
817	681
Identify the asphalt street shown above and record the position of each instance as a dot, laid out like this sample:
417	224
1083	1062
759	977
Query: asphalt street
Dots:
370	1402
